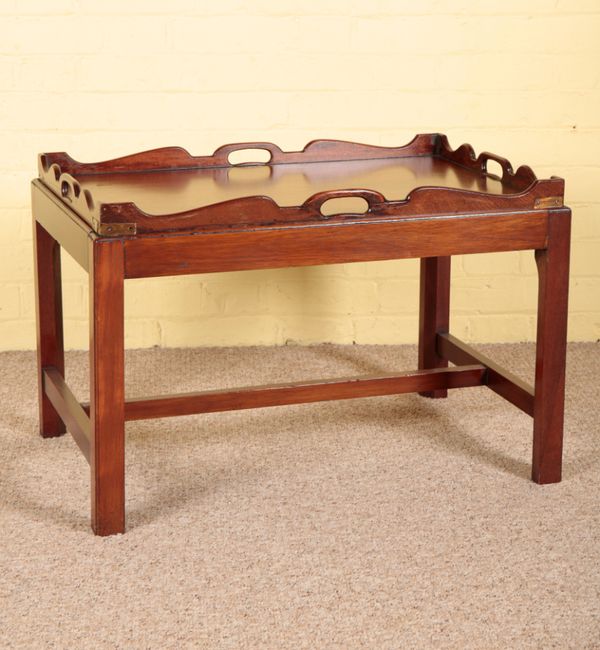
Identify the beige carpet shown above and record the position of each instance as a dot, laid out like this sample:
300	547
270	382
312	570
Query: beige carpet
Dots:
393	522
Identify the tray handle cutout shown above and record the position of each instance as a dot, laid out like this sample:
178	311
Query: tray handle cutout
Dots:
70	190
222	154
507	170
316	201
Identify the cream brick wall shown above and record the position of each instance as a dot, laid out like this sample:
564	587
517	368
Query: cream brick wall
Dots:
102	79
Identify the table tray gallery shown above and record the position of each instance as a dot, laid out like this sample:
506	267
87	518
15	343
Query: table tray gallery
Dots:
166	212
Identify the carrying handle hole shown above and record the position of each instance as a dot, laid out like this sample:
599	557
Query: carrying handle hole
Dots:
350	205
249	157
494	168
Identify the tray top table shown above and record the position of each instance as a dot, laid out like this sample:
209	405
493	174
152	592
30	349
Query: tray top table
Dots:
166	212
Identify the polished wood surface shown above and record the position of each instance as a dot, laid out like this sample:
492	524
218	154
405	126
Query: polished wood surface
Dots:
423	200
49	319
107	386
287	185
303	392
253	212
434	314
332	243
72	413
166	190
550	363
61	222
174	158
501	381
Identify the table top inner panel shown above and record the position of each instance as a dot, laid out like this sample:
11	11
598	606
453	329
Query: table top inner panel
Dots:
169	191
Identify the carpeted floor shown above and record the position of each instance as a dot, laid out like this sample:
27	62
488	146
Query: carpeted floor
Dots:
393	522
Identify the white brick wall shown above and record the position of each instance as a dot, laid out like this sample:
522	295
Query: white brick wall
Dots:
101	79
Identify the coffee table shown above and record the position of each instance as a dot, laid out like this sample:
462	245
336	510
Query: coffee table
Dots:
166	212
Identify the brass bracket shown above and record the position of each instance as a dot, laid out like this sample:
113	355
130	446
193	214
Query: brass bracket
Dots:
114	229
548	202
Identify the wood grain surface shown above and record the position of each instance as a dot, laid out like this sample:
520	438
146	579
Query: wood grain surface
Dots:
167	189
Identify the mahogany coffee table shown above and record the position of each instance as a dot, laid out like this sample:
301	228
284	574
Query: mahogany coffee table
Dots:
165	212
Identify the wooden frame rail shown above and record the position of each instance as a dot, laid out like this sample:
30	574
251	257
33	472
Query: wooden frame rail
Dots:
500	380
301	392
472	369
70	410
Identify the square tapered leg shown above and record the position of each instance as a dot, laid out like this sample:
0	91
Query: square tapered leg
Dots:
434	314
548	413
107	391
50	344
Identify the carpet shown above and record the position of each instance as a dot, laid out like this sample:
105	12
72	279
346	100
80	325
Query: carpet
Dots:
387	522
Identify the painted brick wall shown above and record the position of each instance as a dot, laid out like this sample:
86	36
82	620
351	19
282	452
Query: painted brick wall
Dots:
102	79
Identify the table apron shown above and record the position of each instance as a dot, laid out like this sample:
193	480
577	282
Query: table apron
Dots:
69	230
180	254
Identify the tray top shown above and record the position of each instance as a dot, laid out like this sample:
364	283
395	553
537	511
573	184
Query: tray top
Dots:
164	192
168	189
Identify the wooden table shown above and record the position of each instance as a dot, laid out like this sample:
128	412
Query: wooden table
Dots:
165	212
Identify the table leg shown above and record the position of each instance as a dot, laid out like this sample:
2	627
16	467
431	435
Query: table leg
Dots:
107	391
548	413
50	344
434	314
